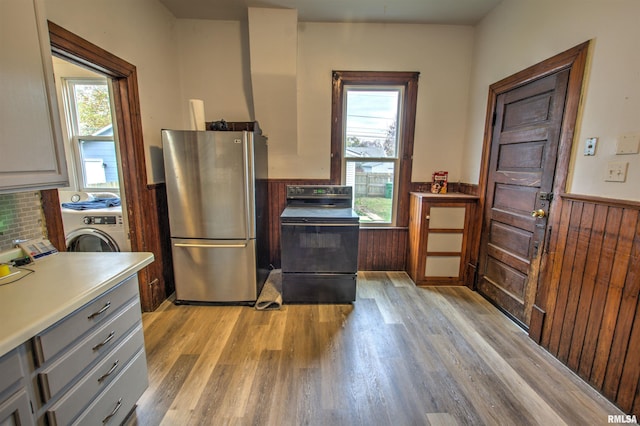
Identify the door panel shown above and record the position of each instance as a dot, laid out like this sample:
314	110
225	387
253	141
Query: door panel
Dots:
209	184
521	169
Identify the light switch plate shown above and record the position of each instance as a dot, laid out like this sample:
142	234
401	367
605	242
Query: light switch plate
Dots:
628	144
616	171
590	146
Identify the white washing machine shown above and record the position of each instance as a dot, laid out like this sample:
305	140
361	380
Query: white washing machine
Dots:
96	230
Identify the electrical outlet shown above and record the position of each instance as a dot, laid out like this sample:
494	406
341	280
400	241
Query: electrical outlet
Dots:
590	146
628	144
616	171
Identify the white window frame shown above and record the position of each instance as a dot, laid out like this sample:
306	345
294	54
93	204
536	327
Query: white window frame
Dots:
75	138
395	160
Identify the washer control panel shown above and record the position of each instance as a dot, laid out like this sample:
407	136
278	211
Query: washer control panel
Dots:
102	220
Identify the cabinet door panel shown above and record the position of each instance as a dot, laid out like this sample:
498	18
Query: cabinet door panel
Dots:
446	217
16	410
33	152
444	242
442	266
10	370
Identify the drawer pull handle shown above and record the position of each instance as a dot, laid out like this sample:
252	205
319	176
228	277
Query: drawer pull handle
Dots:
101	311
113	413
108	373
105	341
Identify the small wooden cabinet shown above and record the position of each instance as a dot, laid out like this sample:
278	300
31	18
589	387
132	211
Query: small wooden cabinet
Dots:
439	231
32	149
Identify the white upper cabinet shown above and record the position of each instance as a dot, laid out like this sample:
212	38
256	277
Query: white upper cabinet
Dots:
31	145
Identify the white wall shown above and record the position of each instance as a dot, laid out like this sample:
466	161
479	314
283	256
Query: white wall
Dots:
213	57
442	55
142	33
214	68
518	34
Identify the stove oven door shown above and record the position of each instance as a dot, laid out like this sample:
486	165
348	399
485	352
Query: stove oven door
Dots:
319	247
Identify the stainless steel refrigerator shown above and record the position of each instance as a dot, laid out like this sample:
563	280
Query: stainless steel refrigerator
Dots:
217	198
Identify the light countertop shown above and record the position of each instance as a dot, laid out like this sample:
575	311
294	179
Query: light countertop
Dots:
60	284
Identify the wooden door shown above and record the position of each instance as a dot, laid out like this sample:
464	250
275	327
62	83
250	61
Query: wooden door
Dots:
524	148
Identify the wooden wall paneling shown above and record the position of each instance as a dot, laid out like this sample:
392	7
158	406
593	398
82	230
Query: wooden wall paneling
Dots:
382	249
591	299
565	277
158	240
548	293
596	313
576	281
587	285
53	218
630	375
610	320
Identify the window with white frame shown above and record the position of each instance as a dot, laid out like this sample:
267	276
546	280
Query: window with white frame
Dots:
371	149
91	131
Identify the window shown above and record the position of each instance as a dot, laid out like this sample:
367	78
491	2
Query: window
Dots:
372	142
91	131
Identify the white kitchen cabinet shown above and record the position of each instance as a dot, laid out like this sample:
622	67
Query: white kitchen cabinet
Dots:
31	144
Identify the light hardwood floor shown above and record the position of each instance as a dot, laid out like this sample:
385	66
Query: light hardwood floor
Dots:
400	355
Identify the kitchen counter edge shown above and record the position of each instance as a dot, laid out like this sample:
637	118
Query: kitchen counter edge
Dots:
59	285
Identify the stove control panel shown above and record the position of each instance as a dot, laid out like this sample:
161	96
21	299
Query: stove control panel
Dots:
319	195
319	191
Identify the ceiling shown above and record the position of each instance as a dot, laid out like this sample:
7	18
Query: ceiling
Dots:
457	12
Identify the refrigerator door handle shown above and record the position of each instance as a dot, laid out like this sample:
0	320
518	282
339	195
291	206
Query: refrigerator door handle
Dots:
247	201
211	245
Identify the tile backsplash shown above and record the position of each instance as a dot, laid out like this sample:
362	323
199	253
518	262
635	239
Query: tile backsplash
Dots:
21	218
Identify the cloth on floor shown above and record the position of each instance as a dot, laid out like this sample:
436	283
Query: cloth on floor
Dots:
271	295
96	203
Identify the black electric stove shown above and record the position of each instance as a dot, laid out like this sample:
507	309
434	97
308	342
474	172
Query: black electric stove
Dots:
319	245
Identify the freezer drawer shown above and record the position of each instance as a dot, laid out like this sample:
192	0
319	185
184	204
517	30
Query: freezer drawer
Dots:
222	271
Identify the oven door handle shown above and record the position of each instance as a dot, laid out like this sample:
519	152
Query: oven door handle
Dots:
210	245
351	225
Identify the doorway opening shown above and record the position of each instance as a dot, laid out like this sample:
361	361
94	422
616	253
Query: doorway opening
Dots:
93	156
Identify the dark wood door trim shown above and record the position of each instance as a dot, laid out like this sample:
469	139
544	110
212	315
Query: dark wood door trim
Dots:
574	59
77	50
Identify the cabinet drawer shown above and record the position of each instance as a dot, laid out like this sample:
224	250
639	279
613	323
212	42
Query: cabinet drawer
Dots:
114	403
78	397
10	370
50	342
56	376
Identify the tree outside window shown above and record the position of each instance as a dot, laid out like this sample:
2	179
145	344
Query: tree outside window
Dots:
91	128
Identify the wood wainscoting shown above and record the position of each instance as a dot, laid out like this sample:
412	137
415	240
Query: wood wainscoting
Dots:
381	249
587	312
